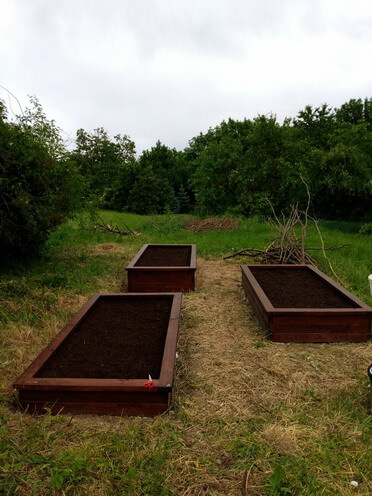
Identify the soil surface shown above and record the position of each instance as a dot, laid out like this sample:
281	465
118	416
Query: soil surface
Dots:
165	256
211	224
118	339
299	288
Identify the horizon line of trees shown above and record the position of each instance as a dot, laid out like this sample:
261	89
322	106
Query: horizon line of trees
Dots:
238	167
241	167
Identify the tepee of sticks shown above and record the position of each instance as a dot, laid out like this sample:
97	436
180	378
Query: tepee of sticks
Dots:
288	246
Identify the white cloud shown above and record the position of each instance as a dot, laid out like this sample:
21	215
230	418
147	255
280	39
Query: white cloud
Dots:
168	69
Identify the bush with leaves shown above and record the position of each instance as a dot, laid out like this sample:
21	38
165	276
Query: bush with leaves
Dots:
39	188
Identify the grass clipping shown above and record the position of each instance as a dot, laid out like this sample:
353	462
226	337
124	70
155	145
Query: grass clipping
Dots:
212	224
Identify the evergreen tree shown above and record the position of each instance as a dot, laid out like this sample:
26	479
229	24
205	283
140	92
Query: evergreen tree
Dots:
174	202
183	200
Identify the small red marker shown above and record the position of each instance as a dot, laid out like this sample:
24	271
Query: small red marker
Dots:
149	384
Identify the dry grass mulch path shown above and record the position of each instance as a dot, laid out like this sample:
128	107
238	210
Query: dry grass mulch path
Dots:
229	372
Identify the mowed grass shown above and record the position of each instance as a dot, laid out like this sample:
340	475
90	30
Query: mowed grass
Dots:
249	416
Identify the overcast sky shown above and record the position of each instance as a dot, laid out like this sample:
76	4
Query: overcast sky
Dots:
170	69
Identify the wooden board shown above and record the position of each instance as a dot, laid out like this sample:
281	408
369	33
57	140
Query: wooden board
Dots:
307	325
149	279
101	396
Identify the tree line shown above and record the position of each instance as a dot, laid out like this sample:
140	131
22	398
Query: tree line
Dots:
241	167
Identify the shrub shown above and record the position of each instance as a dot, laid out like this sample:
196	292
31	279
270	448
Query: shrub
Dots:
38	189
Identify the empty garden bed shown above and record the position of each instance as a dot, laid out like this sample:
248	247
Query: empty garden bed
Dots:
158	268
298	303
116	357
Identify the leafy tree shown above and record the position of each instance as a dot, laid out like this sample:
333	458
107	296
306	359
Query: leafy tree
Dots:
43	130
215	158
121	188
39	189
341	180
214	178
316	124
149	194
356	112
160	172
241	166
104	162
263	167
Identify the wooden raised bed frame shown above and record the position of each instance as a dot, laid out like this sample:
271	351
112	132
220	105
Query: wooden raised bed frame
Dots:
307	325
123	397
165	278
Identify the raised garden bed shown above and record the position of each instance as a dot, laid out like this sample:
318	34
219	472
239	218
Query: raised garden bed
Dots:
158	268
298	303
101	360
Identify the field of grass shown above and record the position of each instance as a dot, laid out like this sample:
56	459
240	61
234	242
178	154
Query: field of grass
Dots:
249	417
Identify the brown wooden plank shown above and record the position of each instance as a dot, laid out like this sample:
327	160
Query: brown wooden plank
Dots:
146	396
320	328
258	309
169	357
160	279
326	279
109	396
132	263
307	324
168	268
193	257
138	255
257	288
83	384
52	396
317	337
115	409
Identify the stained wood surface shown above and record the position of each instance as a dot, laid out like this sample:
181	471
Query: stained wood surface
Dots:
115	409
307	324
173	280
101	396
138	255
161	279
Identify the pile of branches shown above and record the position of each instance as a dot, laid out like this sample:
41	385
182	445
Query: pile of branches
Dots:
288	246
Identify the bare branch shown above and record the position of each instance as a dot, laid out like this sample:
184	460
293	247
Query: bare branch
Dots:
102	226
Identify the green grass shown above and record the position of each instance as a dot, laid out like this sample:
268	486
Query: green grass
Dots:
352	263
111	456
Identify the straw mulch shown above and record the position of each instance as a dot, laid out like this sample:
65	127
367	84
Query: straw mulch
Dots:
227	370
211	224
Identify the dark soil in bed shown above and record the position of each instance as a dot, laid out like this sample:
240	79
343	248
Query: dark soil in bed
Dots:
165	256
118	339
299	288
